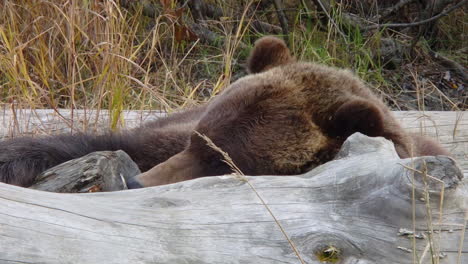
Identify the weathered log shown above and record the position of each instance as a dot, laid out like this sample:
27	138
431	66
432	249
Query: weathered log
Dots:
96	172
368	206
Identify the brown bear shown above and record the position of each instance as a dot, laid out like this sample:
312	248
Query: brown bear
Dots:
284	118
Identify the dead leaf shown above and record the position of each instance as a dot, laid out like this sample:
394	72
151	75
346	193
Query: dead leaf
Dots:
447	76
95	188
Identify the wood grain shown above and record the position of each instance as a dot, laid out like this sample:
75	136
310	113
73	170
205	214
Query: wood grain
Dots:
358	204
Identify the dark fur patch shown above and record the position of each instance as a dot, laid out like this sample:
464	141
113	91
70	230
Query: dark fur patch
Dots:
267	53
357	116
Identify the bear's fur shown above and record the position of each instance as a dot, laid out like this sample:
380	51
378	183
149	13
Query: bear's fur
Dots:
284	118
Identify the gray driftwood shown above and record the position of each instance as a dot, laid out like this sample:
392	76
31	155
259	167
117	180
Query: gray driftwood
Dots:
96	172
367	206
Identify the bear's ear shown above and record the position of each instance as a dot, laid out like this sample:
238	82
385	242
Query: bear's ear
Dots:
357	115
267	53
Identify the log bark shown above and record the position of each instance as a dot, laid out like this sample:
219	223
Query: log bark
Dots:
364	207
102	171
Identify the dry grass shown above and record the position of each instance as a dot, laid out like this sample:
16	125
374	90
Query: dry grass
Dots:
432	251
98	55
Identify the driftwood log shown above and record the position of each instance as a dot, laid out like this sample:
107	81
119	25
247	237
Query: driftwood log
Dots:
360	208
102	171
368	206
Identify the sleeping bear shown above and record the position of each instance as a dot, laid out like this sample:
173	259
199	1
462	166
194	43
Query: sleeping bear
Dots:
284	118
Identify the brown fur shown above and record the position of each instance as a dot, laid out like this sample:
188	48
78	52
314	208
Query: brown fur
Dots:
269	52
286	118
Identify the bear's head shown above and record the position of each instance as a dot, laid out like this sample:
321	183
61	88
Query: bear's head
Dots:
285	118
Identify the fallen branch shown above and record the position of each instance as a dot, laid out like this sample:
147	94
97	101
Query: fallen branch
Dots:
282	19
452	65
103	171
385	13
205	35
326	10
367	206
263	27
201	10
412	24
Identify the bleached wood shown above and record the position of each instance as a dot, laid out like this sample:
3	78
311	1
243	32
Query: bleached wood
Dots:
450	128
102	171
357	204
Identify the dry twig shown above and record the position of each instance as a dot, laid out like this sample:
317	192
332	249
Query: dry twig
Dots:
453	65
385	13
239	175
326	10
412	24
282	19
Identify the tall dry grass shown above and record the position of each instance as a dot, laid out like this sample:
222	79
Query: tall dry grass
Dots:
94	54
97	55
